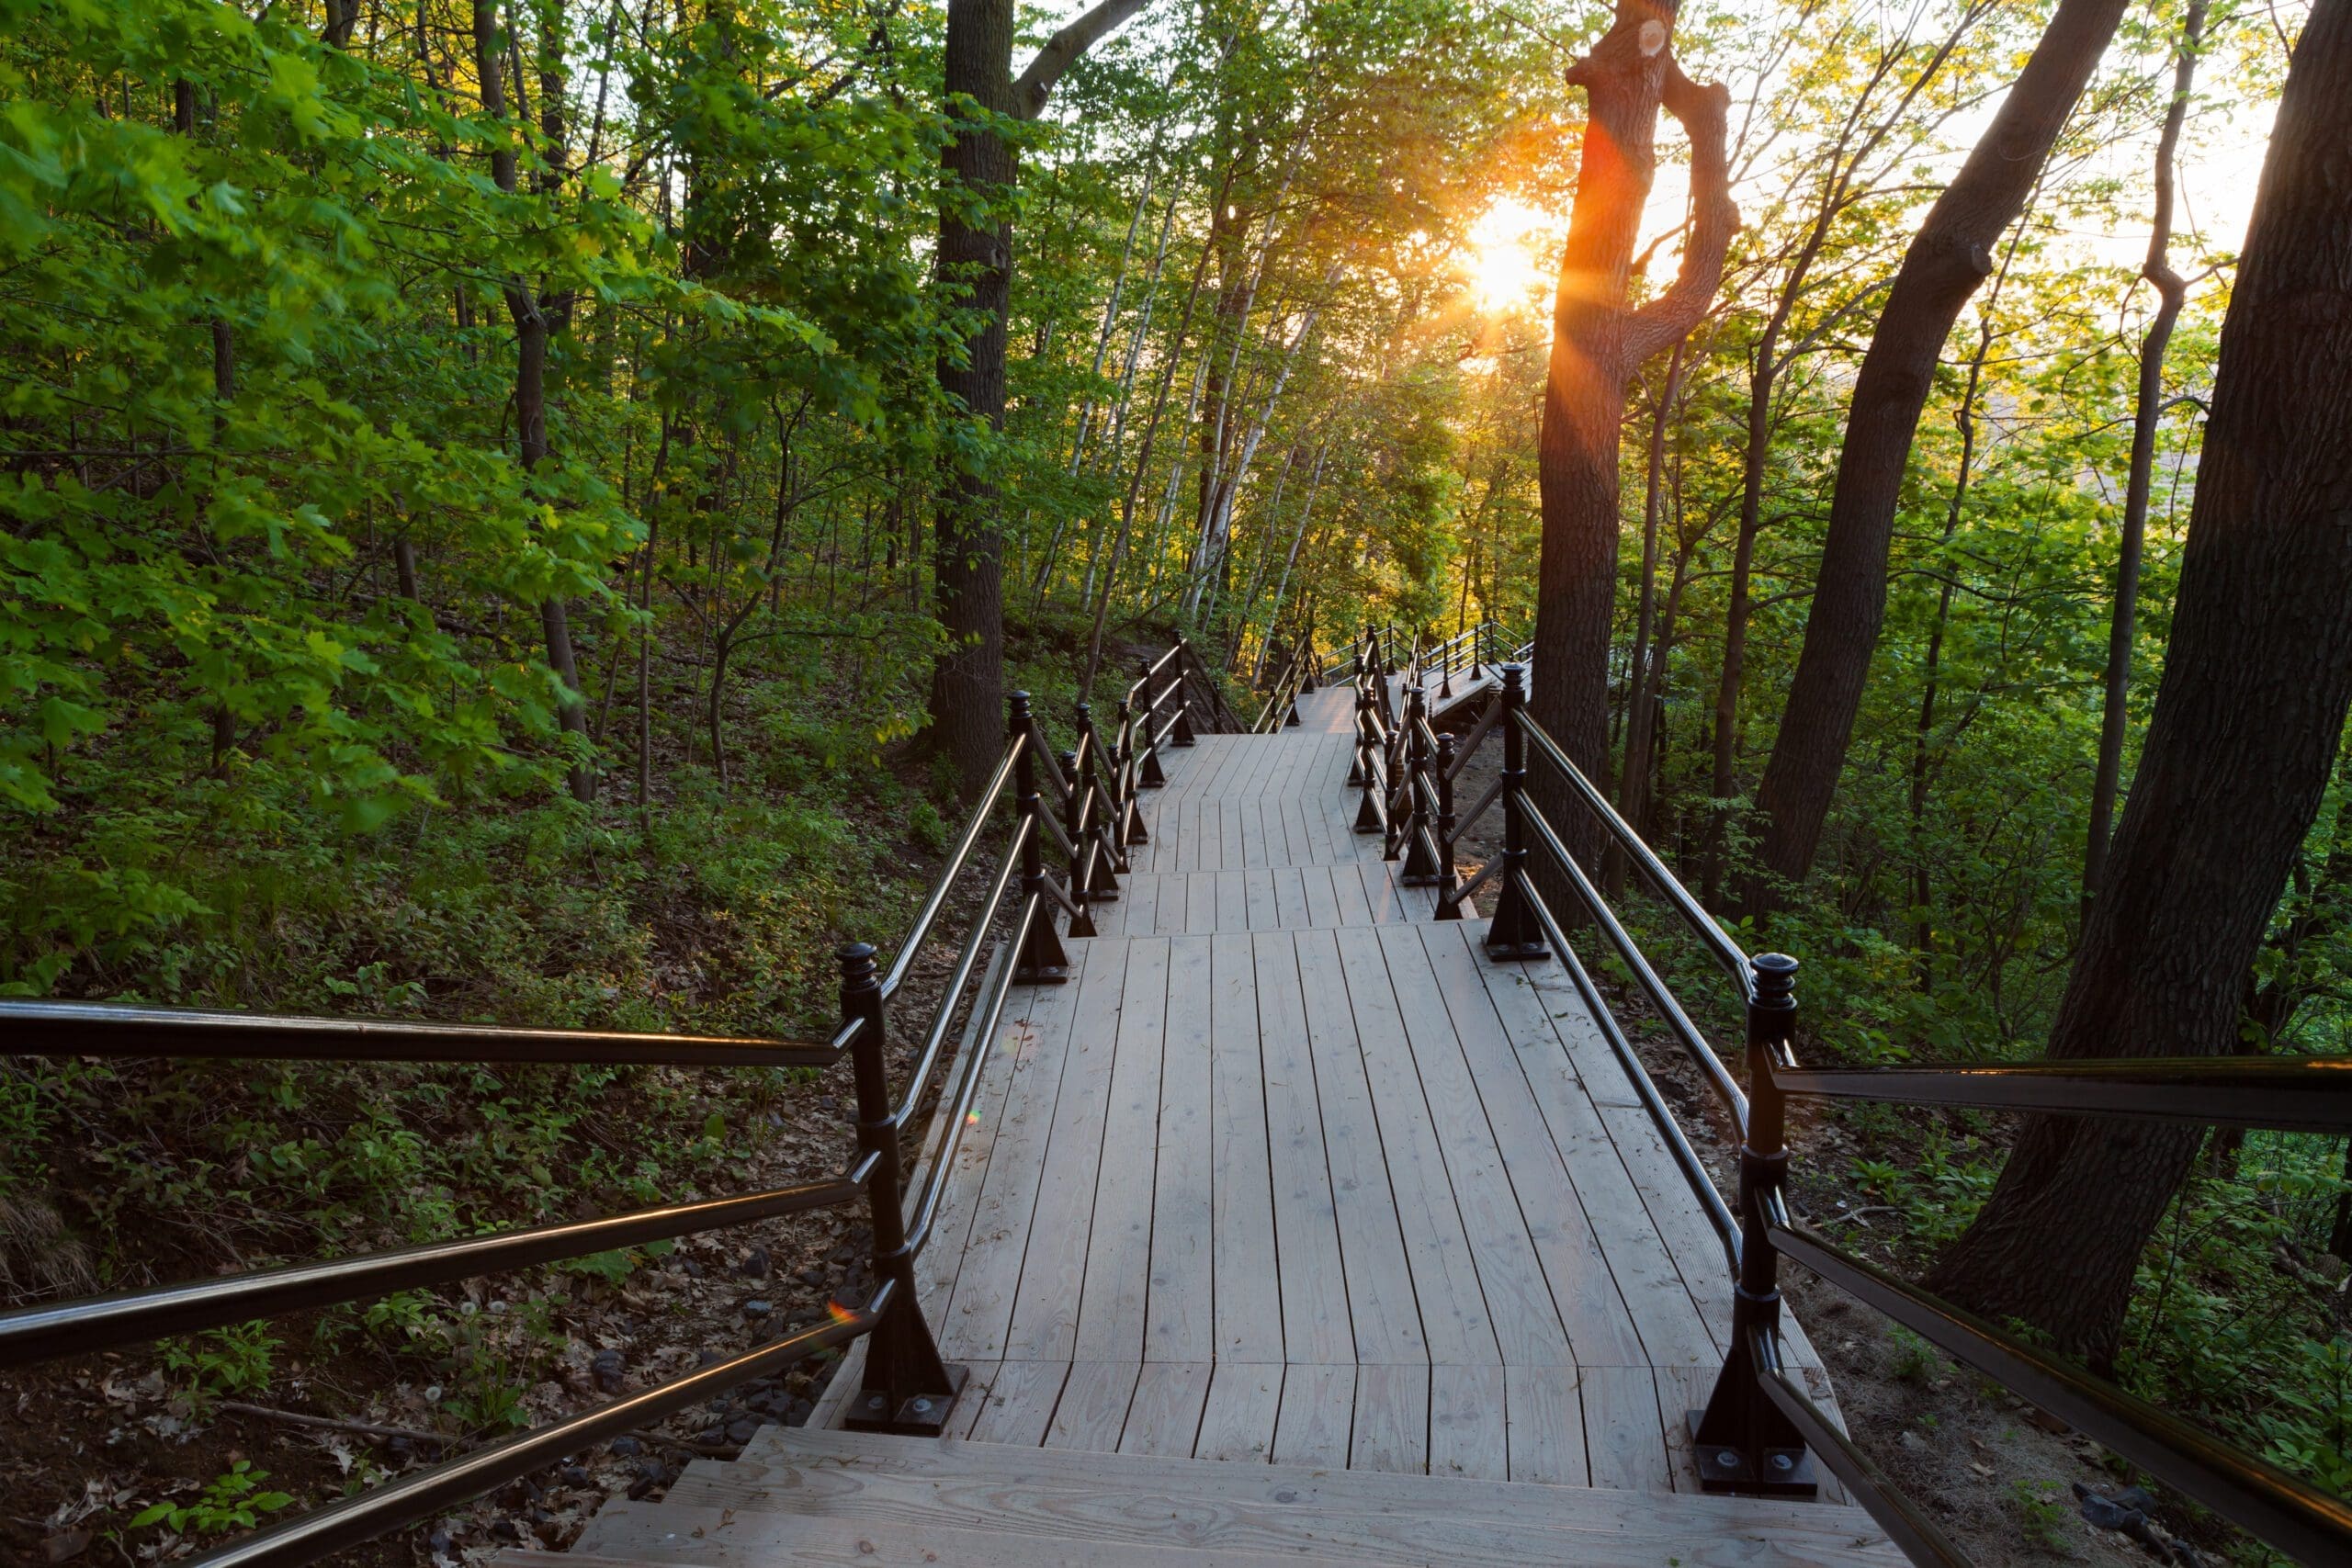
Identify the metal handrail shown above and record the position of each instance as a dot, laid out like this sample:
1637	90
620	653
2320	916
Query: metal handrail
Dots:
926	1204
116	1030
1726	952
2284	1511
903	962
129	1318
967	959
340	1525
2287	1094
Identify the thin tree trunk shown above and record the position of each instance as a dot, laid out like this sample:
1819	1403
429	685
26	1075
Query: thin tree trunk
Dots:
1633	786
2247	719
1949	258
2148	413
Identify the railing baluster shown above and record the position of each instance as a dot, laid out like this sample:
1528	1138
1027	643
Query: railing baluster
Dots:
1042	961
1743	1441
907	1387
1449	905
1514	933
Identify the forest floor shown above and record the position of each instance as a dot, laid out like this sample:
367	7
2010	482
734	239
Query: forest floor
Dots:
1999	1476
234	1429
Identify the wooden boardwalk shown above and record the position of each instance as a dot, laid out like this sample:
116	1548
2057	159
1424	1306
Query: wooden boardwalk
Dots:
1288	1171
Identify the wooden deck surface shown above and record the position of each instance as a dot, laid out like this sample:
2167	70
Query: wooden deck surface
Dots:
1289	1171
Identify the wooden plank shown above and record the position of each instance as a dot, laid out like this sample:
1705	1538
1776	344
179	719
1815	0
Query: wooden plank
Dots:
1237	1422
1166	1416
1139	902
1379	893
1391	1431
1318	1406
1169	916
1468	1423
1313	1273
1112	1498
1624	1439
1251	816
1200	901
1019	1403
1601	1328
1380	1302
1322	904
1228	824
1044	1320
988	1276
638	1535
1681	1390
1349	908
1454	1319
1543	1414
1290	899
1673	1331
1209	842
1232	901
1258	893
1094	1408
1118	1240
1247	1304
1517	1297
1179	1320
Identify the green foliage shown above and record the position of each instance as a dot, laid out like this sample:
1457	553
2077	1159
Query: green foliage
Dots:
235	1361
233	1500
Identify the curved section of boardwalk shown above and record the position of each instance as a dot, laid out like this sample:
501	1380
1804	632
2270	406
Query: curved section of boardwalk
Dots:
1289	1171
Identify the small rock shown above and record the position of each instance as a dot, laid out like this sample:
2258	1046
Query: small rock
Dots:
608	1369
799	1412
809	1276
642	1487
742	1432
1916	1443
65	1547
692	1269
575	1476
439	1542
506	1530
707	1358
627	1448
754	1264
2109	1513
757	1306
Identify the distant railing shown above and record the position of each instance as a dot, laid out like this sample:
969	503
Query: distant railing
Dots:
906	1386
1761	1427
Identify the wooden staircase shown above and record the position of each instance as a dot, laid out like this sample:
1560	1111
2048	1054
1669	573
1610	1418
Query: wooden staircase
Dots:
800	1495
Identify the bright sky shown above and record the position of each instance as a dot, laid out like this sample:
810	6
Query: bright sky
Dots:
1513	257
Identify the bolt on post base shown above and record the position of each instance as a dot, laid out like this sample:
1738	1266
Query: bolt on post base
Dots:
918	1415
1775	1473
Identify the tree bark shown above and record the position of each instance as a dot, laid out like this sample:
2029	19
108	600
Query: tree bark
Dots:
1947	259
967	682
2147	413
1597	343
1648	666
2247	719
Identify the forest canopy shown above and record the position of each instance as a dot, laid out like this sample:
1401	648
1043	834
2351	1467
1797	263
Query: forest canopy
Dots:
529	508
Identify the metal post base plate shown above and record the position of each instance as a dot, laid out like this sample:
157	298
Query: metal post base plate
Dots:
1782	1472
1516	952
923	1415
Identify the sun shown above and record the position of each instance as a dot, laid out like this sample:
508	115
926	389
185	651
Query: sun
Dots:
1504	264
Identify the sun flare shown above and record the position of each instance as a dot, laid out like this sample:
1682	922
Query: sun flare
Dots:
1505	263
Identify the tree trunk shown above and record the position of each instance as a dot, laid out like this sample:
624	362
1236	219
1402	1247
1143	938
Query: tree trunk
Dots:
1947	259
1648	663
2147	413
968	569
2247	718
1596	345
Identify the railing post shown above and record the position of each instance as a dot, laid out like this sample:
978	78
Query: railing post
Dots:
1741	1440
1370	818
907	1387
1131	829
1147	772
1041	961
1080	883
1356	761
1449	907
1183	735
1514	933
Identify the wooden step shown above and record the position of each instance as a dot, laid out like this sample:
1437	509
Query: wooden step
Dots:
1358	1516
671	1535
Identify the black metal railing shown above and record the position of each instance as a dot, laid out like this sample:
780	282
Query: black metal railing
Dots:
906	1384
1761	1429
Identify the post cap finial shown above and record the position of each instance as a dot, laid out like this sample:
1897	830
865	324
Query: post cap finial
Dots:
1775	978
1085	711
1019	702
856	960
1514	678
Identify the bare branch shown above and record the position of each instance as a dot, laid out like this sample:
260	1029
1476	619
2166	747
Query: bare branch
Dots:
1062	51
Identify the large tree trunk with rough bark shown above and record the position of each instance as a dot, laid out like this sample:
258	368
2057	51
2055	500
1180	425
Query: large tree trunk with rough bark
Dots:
967	566
1597	343
2148	413
2257	682
1947	259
